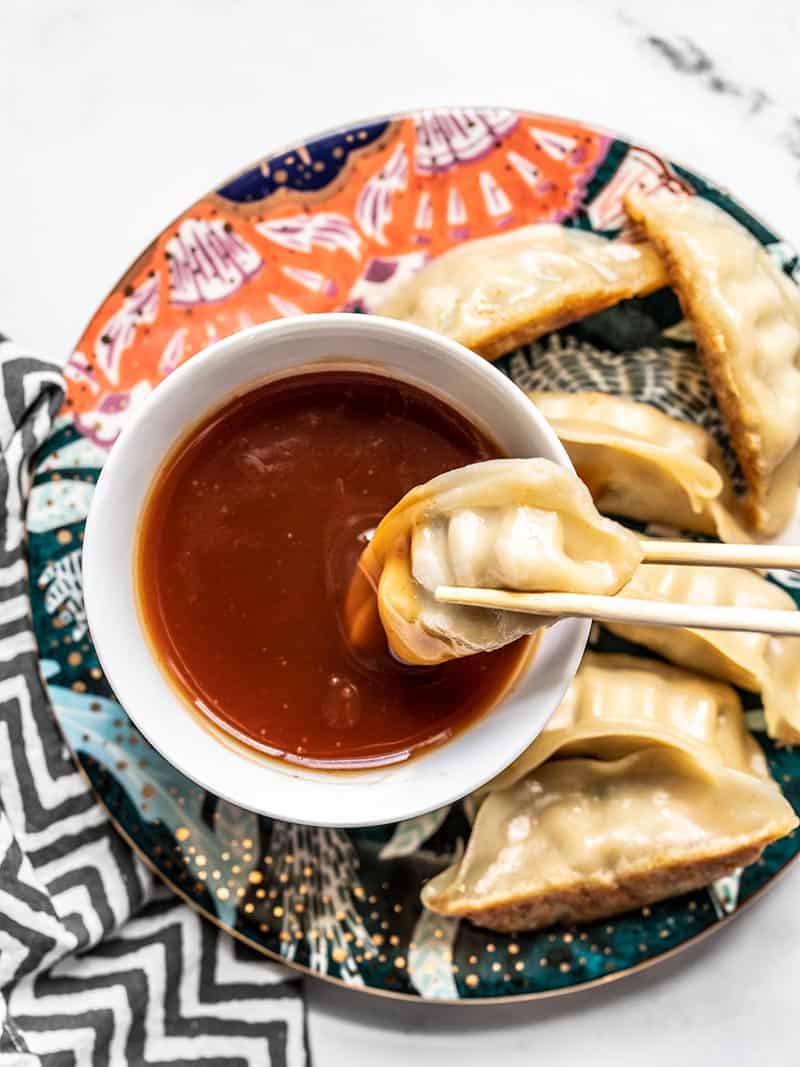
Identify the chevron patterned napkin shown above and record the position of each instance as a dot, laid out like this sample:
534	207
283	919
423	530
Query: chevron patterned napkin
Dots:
100	965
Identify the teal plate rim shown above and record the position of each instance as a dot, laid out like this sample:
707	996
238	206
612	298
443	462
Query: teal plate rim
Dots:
122	770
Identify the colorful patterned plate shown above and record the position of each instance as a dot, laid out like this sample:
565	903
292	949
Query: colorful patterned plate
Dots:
333	224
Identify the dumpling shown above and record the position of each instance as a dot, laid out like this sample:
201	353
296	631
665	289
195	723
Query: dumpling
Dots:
680	795
496	293
519	524
754	661
734	656
643	464
581	839
617	704
745	315
780	691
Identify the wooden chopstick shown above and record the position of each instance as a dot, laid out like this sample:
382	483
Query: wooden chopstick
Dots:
712	554
627	610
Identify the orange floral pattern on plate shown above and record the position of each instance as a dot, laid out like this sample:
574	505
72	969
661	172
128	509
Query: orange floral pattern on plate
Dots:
430	181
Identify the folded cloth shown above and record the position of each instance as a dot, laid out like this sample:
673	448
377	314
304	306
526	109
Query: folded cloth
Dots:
99	963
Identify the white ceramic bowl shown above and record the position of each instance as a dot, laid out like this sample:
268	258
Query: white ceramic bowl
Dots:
232	366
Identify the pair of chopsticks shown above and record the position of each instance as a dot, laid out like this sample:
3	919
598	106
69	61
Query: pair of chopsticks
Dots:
653	612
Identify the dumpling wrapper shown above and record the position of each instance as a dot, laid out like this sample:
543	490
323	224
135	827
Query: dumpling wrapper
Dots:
780	691
496	293
753	661
582	839
518	524
745	315
643	464
617	704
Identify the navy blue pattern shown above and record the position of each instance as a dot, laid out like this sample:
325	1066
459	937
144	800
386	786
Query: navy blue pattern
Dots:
303	170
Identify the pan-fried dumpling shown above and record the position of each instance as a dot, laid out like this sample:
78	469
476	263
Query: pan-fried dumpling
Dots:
643	464
617	704
581	839
780	691
745	315
754	661
496	293
519	524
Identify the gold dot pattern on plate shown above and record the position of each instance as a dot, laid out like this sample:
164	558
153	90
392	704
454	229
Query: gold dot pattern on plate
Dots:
241	880
234	879
247	886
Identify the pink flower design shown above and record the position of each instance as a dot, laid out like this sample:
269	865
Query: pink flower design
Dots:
446	138
173	352
457	217
311	280
640	169
80	371
380	276
526	169
104	423
374	205
138	308
557	145
208	261
494	196
299	233
423	219
287	309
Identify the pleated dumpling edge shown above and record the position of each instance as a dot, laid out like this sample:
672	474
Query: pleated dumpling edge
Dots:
582	839
521	524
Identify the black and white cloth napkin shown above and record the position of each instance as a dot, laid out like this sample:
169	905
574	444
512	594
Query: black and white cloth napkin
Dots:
100	965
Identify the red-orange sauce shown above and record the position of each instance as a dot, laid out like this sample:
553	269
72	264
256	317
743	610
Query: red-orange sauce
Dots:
246	546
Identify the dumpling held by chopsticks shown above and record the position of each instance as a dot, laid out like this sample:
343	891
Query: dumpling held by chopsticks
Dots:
519	524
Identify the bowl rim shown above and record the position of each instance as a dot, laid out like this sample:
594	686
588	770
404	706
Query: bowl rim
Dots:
111	655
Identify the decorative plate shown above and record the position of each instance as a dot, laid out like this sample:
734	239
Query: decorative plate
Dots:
326	225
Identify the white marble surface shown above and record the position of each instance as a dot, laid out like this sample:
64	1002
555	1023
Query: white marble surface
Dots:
116	115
